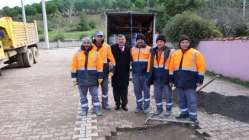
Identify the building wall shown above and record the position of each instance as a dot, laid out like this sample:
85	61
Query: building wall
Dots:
229	58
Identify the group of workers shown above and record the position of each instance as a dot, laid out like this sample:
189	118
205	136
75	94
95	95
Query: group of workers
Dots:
160	66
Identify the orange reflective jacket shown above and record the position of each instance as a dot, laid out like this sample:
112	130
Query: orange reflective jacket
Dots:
106	55
140	57
87	67
160	65
187	68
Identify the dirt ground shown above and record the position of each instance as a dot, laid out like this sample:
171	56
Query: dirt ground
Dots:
236	107
162	132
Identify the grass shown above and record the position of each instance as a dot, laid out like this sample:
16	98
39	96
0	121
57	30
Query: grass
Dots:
229	79
76	35
68	35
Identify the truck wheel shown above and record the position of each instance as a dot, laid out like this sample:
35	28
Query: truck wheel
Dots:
35	54
20	60
28	58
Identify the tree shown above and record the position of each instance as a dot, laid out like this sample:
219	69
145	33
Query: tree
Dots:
169	8
151	3
51	8
227	14
162	20
192	25
108	4
30	10
122	4
89	5
83	25
173	7
139	4
80	5
38	7
12	12
241	29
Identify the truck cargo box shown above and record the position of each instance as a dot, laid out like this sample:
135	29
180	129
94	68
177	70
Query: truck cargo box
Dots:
17	34
130	24
18	43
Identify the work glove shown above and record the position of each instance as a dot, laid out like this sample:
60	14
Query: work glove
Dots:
100	81
74	80
110	74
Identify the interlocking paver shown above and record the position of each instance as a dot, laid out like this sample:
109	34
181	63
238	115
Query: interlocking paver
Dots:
36	102
41	103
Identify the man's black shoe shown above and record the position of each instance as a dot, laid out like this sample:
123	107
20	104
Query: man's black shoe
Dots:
124	108
117	108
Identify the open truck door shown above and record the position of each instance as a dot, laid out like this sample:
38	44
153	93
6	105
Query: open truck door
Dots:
130	24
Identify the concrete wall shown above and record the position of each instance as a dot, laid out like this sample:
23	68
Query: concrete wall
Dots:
61	44
229	58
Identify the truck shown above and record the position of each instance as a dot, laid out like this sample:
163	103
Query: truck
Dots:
131	23
18	43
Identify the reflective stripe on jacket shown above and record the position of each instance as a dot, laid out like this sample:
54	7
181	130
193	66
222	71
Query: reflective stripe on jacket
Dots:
87	67
187	68
160	64
107	56
140	57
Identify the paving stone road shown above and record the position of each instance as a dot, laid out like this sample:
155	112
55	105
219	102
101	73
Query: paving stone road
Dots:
40	103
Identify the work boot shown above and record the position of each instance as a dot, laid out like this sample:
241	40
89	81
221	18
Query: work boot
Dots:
146	111
106	107
195	121
182	116
167	114
138	110
83	113
97	112
158	112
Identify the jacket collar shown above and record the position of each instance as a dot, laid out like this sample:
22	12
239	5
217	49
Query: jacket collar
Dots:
183	51
88	49
163	49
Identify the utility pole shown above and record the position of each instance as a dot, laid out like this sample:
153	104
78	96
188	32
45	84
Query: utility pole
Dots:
45	23
23	12
244	9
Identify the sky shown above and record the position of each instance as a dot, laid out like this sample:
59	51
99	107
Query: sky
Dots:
13	3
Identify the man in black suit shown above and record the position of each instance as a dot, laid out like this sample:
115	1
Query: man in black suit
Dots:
120	79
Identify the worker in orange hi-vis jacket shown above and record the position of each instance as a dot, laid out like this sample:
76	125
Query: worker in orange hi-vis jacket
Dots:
87	74
158	75
187	68
140	54
105	52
